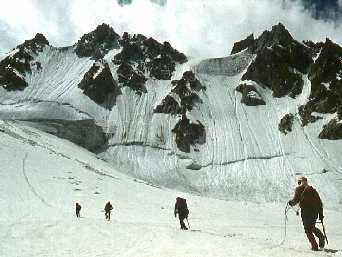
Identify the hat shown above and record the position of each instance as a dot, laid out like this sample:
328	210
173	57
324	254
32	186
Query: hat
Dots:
303	179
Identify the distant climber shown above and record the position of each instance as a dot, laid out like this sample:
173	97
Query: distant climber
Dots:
182	209
78	209
107	209
311	208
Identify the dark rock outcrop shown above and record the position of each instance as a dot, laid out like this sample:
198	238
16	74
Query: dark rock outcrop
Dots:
326	84
188	134
35	45
332	130
269	69
305	113
97	43
250	95
247	43
141	55
11	80
187	88
279	35
315	47
279	59
98	84
168	105
131	77
285	125
14	67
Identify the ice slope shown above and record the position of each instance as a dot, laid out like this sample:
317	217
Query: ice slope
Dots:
41	178
245	157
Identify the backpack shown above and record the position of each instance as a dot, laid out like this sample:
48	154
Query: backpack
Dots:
310	198
182	206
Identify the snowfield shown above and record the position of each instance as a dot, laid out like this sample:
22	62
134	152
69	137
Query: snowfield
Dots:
42	176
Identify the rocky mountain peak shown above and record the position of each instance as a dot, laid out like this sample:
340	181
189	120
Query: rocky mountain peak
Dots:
97	43
247	43
279	35
35	44
279	61
141	57
40	39
21	61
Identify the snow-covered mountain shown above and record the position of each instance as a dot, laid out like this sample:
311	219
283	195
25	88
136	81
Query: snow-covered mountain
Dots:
240	127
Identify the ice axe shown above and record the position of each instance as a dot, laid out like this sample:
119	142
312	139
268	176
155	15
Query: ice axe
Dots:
187	222
325	234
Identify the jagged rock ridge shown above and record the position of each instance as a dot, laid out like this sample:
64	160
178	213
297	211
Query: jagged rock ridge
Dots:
280	61
141	57
21	61
97	43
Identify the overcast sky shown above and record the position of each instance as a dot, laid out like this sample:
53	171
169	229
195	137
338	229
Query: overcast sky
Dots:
197	27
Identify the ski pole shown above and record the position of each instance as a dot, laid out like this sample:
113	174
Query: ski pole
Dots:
188	222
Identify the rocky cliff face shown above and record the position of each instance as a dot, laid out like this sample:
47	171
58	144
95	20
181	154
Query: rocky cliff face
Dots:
21	61
141	58
98	84
326	83
97	43
279	63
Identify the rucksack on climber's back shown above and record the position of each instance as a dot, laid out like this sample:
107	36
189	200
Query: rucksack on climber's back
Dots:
309	198
182	205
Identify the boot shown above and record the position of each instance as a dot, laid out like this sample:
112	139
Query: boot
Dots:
314	246
321	238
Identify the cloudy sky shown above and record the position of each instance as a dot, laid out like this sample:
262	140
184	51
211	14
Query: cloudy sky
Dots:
197	27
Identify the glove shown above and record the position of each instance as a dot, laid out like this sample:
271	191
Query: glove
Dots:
289	202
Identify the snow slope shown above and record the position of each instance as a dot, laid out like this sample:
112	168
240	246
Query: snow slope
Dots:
41	178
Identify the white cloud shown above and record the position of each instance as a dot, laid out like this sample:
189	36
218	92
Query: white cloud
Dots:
197	27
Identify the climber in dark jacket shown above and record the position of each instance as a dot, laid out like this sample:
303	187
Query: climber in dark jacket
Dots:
78	209
182	209
311	208
107	209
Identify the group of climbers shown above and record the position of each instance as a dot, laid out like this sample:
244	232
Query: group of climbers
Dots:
307	197
108	207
